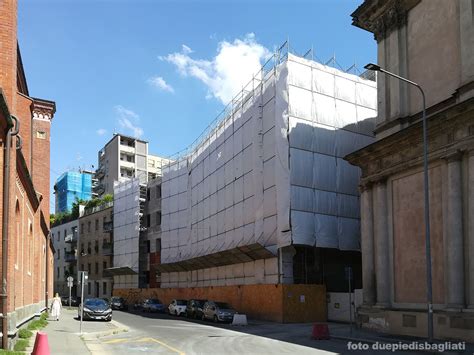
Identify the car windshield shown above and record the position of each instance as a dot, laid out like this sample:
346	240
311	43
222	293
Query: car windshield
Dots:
117	299
95	303
154	301
181	302
223	305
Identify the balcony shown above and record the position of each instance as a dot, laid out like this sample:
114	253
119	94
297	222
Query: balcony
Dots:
108	227
126	149
125	164
107	249
70	256
71	238
100	172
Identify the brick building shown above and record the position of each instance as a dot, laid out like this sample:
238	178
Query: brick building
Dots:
25	123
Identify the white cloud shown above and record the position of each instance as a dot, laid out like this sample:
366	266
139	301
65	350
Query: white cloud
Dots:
128	120
101	131
185	49
231	69
160	83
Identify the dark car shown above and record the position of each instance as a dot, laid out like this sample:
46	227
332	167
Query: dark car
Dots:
218	312
153	305
75	301
118	303
194	308
96	308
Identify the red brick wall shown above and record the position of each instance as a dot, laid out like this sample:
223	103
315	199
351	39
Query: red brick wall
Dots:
155	259
8	45
41	162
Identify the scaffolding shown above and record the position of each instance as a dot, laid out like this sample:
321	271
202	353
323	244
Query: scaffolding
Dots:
72	186
269	170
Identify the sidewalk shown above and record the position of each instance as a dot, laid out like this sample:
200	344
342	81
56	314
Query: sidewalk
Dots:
64	337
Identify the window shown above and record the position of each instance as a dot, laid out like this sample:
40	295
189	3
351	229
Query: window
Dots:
59	275
89	227
96	247
96	224
158	191
65	234
147	246
59	254
89	268
89	288
82	248
104	265
89	248
41	134
158	218
97	268
158	245
82	228
104	288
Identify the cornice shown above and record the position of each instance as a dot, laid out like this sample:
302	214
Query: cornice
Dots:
381	17
43	109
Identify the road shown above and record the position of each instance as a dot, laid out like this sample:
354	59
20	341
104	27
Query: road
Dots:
163	334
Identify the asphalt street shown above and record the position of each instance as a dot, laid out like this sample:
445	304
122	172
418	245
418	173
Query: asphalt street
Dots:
164	334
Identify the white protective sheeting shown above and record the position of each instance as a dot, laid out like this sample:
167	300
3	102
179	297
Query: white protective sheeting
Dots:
126	224
272	171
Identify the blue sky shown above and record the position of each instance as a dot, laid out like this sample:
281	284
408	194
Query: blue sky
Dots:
163	69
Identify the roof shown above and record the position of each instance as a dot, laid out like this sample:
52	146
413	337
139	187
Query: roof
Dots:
125	136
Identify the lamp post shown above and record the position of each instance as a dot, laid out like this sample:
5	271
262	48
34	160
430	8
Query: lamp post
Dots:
429	282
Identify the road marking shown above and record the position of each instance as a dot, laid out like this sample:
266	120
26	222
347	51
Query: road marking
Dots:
163	344
114	341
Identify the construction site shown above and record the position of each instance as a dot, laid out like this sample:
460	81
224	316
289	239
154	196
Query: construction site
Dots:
262	204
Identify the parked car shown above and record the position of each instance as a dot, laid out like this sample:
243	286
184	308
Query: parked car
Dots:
194	308
118	303
75	301
106	299
177	307
153	305
138	305
96	308
218	312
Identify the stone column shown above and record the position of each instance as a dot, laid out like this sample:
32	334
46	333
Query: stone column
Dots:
454	238
382	264
470	230
367	244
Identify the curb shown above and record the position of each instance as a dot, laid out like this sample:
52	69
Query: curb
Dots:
120	328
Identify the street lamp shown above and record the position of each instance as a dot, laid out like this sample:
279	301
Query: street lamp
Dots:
429	283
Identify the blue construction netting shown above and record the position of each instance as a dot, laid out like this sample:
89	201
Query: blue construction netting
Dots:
71	186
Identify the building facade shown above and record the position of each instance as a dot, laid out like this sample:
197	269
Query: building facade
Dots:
432	44
264	203
72	186
150	246
95	249
65	238
26	250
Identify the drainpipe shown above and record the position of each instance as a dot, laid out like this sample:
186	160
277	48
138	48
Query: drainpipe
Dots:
46	272
12	131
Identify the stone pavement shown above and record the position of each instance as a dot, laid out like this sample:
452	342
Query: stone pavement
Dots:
64	337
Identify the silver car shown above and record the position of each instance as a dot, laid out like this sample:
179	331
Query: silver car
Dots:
218	312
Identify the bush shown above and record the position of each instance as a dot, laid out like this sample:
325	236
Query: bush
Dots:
25	334
44	316
21	345
10	352
37	324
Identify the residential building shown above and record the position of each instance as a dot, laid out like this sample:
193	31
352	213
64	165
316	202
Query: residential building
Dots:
70	187
150	244
65	239
263	206
123	158
95	248
432	44
26	250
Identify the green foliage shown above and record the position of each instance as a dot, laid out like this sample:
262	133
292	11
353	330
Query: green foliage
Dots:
44	316
21	345
37	324
25	333
9	352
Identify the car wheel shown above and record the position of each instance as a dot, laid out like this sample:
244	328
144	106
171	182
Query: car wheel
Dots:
176	313
216	319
